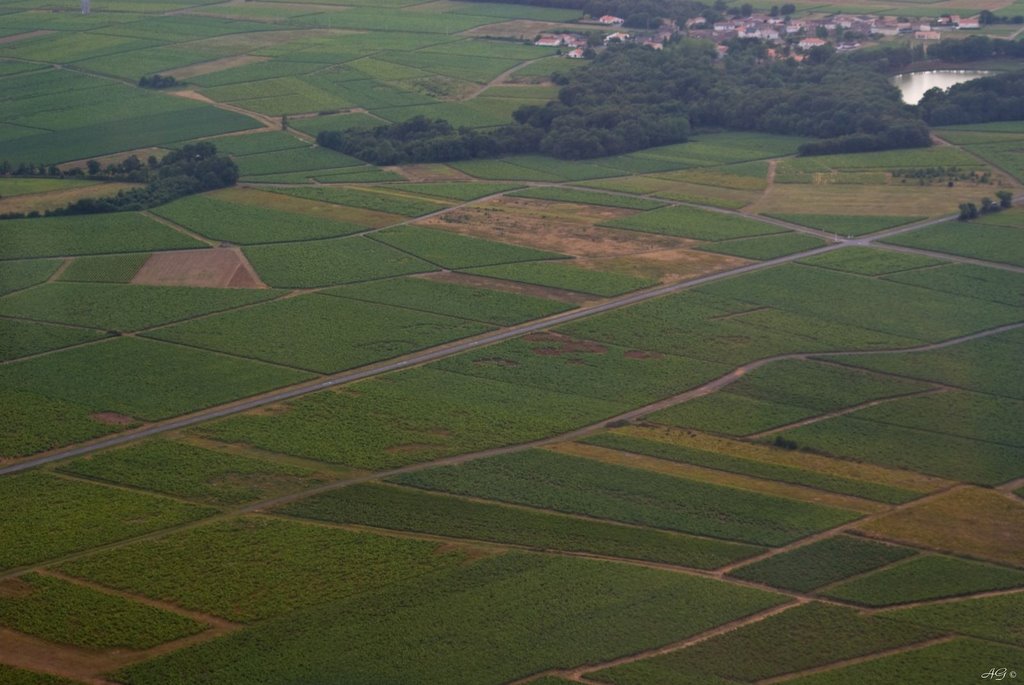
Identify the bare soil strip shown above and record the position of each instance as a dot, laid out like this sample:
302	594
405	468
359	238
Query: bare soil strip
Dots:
219	267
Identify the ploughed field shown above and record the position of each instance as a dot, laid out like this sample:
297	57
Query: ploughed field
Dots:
705	413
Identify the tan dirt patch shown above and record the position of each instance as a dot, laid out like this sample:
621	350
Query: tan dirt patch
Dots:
552	227
514	287
559	344
969	521
666	266
53	199
213	268
642	354
15	587
214	66
424	173
24	36
112	418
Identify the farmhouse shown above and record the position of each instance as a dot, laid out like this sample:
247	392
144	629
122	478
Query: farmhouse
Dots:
618	35
611	20
808	43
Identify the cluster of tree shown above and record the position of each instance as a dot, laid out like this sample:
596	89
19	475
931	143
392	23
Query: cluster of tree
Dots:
993	98
632	98
989	17
195	168
969	210
157	81
975	48
947	175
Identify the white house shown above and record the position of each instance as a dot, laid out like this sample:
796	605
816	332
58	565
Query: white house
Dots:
808	43
610	20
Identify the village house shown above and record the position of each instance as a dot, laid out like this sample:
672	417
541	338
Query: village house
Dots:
610	20
808	43
618	35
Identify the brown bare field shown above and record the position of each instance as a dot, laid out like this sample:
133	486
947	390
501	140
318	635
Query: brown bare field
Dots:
213	66
24	36
326	210
514	287
732	480
801	460
570	229
219	267
53	199
425	173
863	199
969	521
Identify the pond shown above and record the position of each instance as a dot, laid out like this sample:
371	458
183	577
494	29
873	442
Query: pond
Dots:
916	84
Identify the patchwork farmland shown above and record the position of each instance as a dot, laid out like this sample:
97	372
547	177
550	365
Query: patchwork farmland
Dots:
710	412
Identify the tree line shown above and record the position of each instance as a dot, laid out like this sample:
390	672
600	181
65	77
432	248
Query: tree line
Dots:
195	168
992	98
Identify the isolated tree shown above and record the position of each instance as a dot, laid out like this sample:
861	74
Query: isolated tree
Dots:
1005	198
93	166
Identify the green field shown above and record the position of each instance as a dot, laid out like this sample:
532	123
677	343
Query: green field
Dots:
20	338
555	363
699	224
800	638
336	333
946	456
766	247
252	568
822	563
454	251
316	263
411	417
925	577
405	509
383	201
95	234
116	307
847	225
131	376
756	469
182	470
247	224
566	277
869	262
985	365
26	273
993	285
579	486
970	239
59	611
450	299
954	661
105	268
995	618
48	517
442	628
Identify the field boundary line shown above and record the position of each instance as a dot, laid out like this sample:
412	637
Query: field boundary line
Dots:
858	660
843	412
688	642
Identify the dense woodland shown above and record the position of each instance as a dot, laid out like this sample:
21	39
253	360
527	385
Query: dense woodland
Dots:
195	168
993	98
631	98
